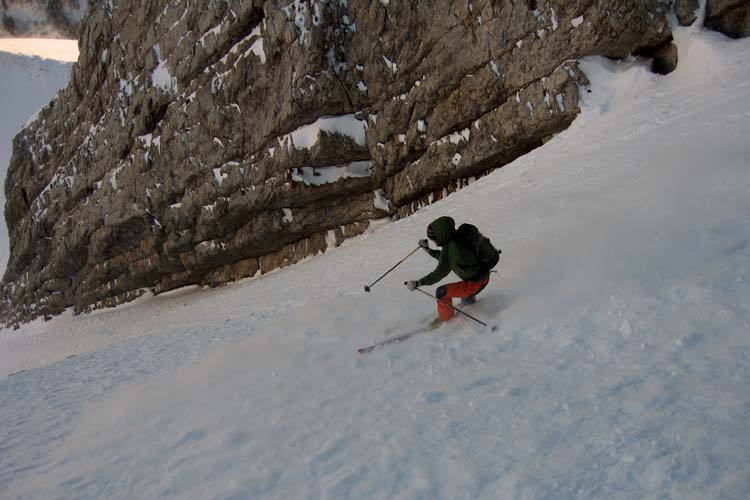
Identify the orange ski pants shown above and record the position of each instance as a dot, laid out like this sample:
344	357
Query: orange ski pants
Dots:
462	289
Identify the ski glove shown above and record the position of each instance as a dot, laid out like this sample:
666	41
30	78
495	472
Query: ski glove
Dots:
412	285
424	244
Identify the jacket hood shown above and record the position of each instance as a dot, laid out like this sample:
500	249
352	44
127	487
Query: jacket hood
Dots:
445	229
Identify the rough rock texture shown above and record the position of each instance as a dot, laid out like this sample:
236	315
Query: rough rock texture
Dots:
731	17
41	18
665	59
686	11
202	141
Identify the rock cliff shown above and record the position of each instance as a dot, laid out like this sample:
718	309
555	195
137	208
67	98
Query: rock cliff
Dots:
203	141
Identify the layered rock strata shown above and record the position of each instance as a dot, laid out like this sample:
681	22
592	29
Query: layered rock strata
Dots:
204	141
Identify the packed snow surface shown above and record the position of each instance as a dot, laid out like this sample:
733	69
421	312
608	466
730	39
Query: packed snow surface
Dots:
307	136
619	369
317	176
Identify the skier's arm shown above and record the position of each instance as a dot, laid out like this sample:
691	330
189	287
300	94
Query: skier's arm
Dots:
435	254
440	272
425	245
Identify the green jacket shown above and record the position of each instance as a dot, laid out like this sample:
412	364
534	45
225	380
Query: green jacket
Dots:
453	256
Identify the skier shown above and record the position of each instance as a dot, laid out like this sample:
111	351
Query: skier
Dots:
471	265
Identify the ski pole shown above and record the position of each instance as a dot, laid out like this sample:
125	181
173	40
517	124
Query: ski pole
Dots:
456	309
367	288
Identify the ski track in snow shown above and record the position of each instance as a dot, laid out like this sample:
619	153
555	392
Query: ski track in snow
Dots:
620	368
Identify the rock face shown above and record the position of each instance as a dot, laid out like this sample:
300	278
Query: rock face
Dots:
665	59
41	18
731	17
202	141
686	11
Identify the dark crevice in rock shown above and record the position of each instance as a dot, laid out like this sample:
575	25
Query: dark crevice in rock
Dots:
238	31
346	91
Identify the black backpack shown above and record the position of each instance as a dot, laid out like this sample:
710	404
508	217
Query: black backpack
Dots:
487	255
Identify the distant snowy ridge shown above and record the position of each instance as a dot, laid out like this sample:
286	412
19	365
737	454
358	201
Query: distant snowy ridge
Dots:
57	50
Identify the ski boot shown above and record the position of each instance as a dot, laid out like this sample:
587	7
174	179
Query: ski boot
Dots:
435	324
467	301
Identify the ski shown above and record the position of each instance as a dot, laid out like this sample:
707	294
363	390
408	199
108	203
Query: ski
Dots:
430	327
392	340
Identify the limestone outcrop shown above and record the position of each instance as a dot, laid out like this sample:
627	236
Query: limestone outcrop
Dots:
204	141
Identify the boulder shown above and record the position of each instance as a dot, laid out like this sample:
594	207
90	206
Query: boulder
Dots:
686	11
665	59
731	17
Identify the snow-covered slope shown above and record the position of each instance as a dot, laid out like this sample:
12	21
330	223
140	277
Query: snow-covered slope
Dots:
619	370
27	84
